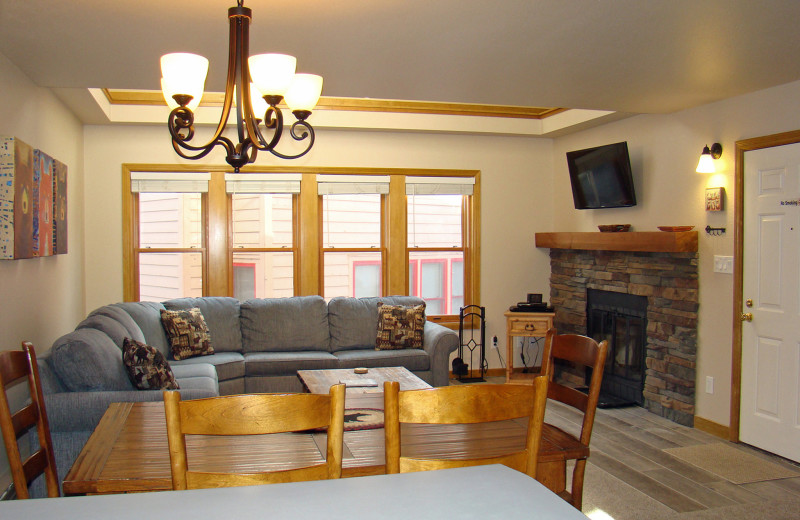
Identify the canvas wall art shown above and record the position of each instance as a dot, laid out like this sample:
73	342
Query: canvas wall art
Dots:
33	202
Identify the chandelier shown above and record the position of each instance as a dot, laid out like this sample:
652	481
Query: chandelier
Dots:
273	80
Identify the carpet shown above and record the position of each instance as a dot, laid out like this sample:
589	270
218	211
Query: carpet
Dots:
731	463
362	419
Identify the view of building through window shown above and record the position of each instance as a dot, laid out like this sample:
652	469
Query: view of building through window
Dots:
262	250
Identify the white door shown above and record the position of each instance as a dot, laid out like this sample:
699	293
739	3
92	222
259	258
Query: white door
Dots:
770	390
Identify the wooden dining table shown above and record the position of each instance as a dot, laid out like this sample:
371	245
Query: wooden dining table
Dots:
128	450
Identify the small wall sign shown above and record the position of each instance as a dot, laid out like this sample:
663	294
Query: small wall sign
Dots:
715	199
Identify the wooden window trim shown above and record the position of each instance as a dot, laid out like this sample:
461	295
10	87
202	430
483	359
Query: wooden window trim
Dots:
307	240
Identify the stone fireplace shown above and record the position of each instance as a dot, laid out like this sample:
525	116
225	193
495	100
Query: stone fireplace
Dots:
666	276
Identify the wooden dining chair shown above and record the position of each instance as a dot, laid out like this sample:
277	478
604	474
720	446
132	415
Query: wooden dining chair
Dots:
254	414
467	404
580	351
16	366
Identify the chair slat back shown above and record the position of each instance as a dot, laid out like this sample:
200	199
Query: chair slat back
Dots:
16	366
468	404
584	352
254	414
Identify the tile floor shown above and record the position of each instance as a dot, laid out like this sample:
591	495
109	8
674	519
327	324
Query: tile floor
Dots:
629	477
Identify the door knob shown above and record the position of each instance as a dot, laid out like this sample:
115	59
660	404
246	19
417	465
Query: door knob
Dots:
749	302
747	316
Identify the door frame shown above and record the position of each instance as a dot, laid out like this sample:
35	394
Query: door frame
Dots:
745	145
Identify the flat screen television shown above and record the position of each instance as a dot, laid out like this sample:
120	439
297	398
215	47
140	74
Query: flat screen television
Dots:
601	177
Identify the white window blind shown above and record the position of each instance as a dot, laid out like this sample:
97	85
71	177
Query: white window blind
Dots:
166	182
262	182
439	185
349	184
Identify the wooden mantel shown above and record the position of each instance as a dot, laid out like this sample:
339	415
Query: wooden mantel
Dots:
643	241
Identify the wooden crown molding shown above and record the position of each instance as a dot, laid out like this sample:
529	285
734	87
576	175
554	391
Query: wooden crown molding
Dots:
154	97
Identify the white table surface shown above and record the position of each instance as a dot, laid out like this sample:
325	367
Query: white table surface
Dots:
479	492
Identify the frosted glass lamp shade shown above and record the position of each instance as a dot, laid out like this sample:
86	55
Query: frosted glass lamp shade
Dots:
304	92
272	73
257	102
172	104
706	164
183	73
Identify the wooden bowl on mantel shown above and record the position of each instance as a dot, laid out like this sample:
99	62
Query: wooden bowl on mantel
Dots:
675	229
614	228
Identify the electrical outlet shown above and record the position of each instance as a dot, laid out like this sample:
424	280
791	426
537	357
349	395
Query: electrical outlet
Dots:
723	264
709	385
494	342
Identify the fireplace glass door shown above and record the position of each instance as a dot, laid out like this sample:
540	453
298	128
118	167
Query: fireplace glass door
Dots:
620	319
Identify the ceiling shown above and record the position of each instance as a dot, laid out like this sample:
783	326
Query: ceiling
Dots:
635	56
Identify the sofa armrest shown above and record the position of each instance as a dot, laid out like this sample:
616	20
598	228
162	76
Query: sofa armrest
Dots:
81	411
439	342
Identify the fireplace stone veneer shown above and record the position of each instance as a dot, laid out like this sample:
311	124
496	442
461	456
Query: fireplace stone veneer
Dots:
670	283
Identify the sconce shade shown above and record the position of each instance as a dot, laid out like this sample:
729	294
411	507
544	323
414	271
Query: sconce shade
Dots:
272	73
183	73
706	163
304	92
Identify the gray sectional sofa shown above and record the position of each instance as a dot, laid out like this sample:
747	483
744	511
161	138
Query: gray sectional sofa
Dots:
259	345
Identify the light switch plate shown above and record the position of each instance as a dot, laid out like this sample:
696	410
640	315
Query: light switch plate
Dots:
723	264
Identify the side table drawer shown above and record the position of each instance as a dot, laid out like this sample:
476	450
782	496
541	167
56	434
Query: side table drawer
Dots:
525	326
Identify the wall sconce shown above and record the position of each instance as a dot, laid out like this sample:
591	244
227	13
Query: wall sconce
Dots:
706	164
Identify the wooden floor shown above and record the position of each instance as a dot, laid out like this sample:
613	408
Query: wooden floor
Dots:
629	476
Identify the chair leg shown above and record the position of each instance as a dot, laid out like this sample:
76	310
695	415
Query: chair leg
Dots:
577	484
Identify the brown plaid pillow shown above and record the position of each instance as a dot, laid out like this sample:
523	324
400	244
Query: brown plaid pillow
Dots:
147	368
187	333
400	327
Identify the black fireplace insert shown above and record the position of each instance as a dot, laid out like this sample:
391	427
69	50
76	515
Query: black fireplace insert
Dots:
621	319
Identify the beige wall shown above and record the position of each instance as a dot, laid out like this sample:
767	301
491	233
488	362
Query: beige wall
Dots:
516	187
664	151
42	298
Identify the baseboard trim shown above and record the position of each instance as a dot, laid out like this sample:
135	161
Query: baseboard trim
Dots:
712	427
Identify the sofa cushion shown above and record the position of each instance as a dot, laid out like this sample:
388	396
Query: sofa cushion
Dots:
229	365
222	318
354	321
111	327
147	368
292	324
412	359
187	332
196	376
400	326
147	316
123	318
88	360
287	363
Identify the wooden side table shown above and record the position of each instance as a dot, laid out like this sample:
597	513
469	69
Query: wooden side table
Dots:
526	325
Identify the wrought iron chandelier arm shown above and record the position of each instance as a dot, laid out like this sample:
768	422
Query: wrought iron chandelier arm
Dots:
307	132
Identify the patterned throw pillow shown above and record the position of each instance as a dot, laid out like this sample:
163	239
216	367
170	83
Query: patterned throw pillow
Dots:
399	326
187	332
147	368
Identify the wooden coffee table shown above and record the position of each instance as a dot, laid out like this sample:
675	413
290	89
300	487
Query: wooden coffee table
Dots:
320	381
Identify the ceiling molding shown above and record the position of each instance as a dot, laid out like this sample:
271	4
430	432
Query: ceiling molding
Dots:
154	97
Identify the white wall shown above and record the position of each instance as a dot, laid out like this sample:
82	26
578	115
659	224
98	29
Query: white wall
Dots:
516	188
42	298
664	152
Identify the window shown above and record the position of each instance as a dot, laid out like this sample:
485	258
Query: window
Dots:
263	224
170	245
272	233
436	241
352	244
